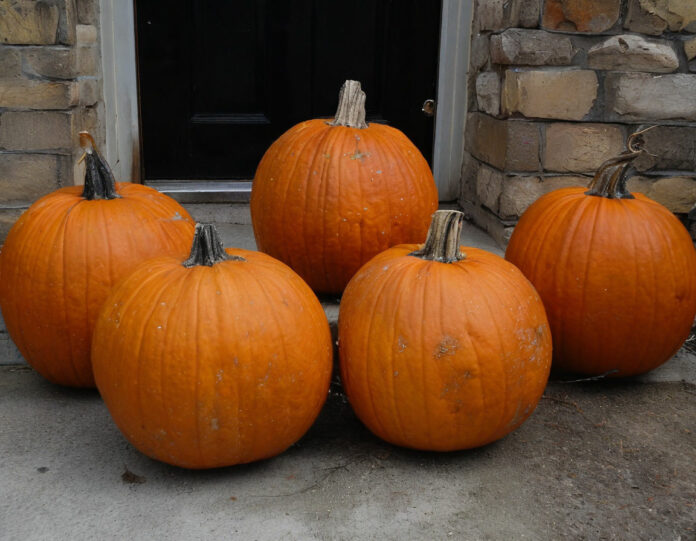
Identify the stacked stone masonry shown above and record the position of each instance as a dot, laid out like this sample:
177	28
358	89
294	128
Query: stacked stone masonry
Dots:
556	86
50	88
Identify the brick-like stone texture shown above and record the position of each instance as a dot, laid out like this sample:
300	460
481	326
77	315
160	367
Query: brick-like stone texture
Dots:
668	148
10	63
529	13
581	15
490	14
29	94
488	92
87	59
678	15
87	11
641	96
633	53
26	177
678	194
561	94
639	20
28	22
86	34
479	52
51	62
581	148
89	91
8	216
531	48
36	130
510	145
520	192
489	185
690	48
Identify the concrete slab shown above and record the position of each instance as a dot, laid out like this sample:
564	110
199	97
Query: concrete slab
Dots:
607	460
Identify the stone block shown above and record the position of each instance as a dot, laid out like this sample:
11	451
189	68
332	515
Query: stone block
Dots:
531	48
520	192
87	11
36	130
561	94
86	34
508	145
10	63
490	14
26	177
678	194
52	62
478	55
668	148
87	60
639	20
641	96
489	185
28	22
26	94
89	91
580	148
488	93
580	15
8	216
690	48
529	13
67	24
633	53
678	15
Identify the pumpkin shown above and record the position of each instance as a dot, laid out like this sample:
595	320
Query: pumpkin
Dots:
63	255
221	359
328	196
442	350
616	272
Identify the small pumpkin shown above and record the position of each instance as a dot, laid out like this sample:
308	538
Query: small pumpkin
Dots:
442	350
63	255
221	359
616	272
328	196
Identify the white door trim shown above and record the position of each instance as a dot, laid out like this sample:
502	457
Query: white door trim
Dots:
121	92
450	119
120	84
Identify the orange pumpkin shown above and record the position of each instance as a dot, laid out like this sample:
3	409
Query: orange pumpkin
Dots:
64	254
616	272
442	350
327	196
221	359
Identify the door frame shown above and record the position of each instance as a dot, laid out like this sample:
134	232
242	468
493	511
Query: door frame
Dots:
119	68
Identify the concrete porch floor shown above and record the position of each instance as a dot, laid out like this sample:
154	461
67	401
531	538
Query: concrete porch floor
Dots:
597	460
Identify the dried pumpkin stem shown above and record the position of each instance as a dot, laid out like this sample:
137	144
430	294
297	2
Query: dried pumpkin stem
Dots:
351	106
99	180
207	248
442	243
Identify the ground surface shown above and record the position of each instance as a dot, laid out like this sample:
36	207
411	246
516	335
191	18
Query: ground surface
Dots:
597	460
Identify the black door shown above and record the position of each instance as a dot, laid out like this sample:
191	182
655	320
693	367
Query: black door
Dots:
220	80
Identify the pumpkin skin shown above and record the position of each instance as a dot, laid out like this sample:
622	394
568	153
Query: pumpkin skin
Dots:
216	365
617	277
442	356
63	256
326	198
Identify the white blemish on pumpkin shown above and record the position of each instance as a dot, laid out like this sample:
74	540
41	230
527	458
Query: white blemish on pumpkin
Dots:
396	372
159	327
401	343
236	361
177	217
214	424
447	346
364	208
218	376
378	172
385	267
163	303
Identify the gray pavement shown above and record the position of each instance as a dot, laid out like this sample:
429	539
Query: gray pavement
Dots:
597	460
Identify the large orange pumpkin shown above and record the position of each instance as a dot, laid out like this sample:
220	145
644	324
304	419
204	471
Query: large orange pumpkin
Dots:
442	350
221	359
616	272
64	254
327	196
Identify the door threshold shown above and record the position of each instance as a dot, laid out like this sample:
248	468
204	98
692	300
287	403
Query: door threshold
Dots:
204	191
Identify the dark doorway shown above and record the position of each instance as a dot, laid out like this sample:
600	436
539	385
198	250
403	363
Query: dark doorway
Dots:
220	80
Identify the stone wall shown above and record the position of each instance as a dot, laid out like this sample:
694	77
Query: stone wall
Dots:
50	88
555	87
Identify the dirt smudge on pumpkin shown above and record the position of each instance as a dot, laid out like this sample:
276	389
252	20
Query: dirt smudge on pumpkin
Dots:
447	346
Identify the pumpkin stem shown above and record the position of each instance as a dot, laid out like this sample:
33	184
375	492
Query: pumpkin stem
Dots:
611	177
207	248
99	180
351	106
442	243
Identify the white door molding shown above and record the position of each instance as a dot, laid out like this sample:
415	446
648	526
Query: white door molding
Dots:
450	118
119	70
